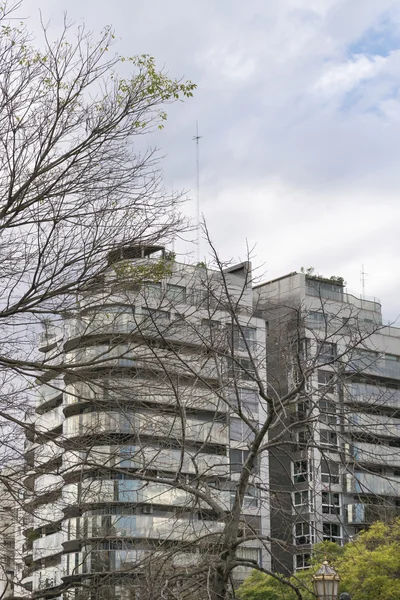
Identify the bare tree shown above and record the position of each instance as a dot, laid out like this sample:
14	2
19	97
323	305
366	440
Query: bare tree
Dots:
160	460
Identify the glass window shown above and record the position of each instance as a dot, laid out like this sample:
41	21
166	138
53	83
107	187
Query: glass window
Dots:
302	533
326	381
330	503
329	472
316	318
328	438
156	315
301	471
241	368
301	498
237	459
152	291
302	409
243	337
239	431
303	561
326	351
331	532
176	293
304	437
327	412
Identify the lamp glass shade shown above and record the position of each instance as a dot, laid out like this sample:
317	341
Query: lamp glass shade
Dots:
326	583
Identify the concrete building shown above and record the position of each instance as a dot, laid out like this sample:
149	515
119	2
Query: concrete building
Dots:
336	465
133	399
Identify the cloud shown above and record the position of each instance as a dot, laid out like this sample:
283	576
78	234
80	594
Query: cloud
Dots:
298	106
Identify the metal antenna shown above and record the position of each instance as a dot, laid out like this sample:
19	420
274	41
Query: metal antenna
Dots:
196	138
362	278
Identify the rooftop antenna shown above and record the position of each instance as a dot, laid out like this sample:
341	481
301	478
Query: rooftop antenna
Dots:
197	138
363	274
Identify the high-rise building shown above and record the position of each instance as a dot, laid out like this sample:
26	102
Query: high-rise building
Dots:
137	407
334	371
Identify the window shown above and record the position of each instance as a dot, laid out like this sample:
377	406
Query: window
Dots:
302	409
176	293
211	323
329	472
326	381
330	503
328	438
326	351
303	561
301	471
239	431
243	337
152	291
392	357
302	533
245	399
156	315
316	318
331	532
237	459
327	412
241	368
304	437
251	497
301	498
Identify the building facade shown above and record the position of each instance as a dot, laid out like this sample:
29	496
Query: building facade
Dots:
335	466
137	409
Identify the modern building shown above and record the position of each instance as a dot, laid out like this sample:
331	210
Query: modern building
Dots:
136	409
334	372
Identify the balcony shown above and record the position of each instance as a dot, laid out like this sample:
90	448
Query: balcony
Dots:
372	395
375	454
47	452
316	289
140	527
50	420
366	514
45	484
134	491
47	578
135	392
380	367
370	483
372	425
49	545
149	424
49	392
141	457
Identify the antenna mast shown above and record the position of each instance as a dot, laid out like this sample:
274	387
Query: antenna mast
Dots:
362	277
197	138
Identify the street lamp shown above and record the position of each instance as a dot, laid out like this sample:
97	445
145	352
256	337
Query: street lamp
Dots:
326	582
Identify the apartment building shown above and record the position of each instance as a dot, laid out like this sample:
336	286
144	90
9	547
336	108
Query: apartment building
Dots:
136	408
335	466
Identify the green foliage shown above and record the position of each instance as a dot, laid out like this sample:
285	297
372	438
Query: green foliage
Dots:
310	272
136	273
369	569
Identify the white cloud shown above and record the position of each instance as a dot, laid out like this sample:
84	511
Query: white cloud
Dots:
341	78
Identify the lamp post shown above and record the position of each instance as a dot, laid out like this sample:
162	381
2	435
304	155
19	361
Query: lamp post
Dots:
326	582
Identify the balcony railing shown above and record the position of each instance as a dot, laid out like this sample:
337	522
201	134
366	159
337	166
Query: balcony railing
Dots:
366	514
373	425
372	395
375	454
370	483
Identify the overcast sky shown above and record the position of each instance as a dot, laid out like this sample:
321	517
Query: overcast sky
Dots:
299	108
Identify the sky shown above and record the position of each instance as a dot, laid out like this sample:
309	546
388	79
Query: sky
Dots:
298	106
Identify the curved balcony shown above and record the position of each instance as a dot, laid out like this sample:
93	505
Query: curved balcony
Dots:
141	357
47	514
137	457
47	578
49	392
137	391
50	420
149	424
134	491
45	484
145	527
48	545
47	452
97	561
